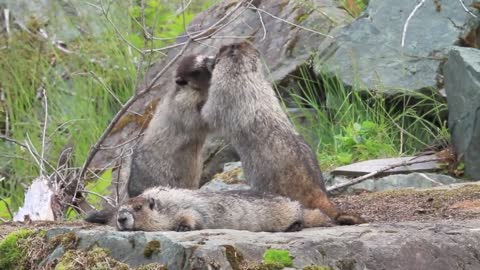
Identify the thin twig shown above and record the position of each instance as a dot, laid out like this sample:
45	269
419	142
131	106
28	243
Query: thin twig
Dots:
44	132
288	22
105	14
106	87
407	22
8	139
371	174
121	144
106	199
466	9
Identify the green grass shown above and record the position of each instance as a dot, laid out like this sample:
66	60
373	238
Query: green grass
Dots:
345	126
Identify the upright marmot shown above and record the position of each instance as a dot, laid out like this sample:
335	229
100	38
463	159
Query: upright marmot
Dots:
170	151
165	209
242	105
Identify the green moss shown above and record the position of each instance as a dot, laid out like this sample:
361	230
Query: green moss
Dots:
317	267
277	256
11	250
152	266
152	247
67	240
95	259
347	264
263	266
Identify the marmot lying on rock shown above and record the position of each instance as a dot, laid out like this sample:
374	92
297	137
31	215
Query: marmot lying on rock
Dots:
166	209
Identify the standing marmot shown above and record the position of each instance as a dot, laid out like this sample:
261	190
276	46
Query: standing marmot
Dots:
170	151
165	209
242	105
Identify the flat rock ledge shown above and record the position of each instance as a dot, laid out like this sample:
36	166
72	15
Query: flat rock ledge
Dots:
411	245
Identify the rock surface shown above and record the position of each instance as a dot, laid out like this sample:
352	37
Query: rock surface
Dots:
64	20
420	164
399	181
462	84
368	53
414	245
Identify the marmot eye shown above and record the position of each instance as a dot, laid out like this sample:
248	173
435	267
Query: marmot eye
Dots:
181	82
137	208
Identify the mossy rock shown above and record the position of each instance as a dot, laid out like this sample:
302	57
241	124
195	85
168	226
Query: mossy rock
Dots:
13	250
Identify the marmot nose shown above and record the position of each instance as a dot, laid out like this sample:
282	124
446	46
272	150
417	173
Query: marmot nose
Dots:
121	219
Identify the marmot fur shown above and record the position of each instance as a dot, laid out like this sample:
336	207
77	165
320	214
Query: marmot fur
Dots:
242	105
170	151
166	209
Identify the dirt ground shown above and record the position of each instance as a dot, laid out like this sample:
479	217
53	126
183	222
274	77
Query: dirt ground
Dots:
414	205
378	207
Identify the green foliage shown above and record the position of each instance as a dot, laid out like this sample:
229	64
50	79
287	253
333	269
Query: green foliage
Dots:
4	204
11	252
346	125
277	257
99	186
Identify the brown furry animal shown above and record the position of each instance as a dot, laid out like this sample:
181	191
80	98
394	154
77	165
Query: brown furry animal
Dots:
242	105
165	209
170	151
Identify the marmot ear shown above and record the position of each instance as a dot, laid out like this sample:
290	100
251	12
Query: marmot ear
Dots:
151	203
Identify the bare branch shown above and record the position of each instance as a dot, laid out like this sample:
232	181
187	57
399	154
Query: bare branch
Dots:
405	26
466	9
106	87
5	138
106	199
372	174
44	132
287	22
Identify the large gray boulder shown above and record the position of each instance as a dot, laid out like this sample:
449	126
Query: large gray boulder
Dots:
368	54
462	84
428	246
63	20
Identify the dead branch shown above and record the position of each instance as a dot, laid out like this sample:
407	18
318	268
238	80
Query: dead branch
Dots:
466	9
8	139
407	22
362	178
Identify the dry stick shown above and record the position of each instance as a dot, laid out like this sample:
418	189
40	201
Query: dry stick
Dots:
369	175
405	26
44	132
8	139
466	9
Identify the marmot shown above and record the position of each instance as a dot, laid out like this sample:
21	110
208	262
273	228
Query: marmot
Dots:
242	105
170	151
166	209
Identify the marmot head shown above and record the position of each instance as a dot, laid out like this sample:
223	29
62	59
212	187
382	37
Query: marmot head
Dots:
147	212
194	71
238	57
131	216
